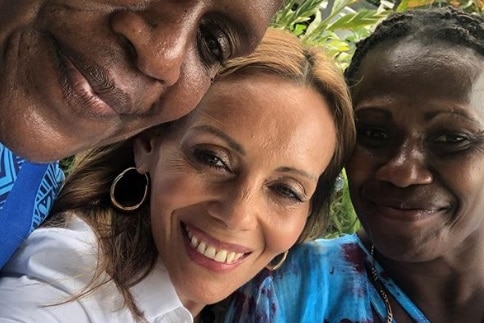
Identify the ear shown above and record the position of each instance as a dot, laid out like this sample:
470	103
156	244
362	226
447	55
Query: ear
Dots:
145	150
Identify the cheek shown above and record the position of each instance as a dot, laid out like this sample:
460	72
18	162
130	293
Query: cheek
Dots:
357	169
170	192
184	96
282	234
467	187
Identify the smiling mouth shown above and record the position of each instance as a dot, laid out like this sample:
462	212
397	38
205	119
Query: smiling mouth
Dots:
223	256
89	85
406	214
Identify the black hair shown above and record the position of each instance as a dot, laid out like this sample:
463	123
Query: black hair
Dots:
433	25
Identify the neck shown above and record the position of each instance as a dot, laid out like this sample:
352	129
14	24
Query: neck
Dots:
194	308
447	288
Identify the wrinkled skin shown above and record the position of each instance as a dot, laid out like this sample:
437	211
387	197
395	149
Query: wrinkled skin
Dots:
417	173
76	74
416	176
234	177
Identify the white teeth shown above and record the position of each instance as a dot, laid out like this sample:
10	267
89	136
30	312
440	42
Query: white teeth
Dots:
230	257
201	247
194	241
211	252
221	256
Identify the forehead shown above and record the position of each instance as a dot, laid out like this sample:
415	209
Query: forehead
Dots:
410	69
266	111
258	96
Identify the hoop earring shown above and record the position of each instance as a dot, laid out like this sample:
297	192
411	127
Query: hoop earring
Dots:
280	263
118	180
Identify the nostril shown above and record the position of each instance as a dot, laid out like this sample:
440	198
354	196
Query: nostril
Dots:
130	49
157	51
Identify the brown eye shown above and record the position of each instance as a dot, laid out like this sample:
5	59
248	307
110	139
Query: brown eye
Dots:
213	44
451	143
372	136
210	158
287	192
451	138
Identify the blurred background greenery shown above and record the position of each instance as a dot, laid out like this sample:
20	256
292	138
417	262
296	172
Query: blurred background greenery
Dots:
338	25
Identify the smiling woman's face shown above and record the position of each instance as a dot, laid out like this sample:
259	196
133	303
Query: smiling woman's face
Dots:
417	173
231	187
77	74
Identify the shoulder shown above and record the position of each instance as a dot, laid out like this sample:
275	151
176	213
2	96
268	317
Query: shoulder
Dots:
52	266
27	193
323	262
49	252
322	253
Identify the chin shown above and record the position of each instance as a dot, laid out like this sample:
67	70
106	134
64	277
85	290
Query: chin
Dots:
42	154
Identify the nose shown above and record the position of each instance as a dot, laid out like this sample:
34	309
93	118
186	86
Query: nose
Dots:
406	167
237	209
158	49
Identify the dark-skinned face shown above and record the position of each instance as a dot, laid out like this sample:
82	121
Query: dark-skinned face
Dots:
76	74
417	173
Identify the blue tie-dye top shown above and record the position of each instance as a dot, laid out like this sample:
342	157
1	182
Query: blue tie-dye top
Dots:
322	281
27	192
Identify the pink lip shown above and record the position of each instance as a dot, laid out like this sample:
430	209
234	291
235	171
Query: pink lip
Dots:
405	214
89	84
208	263
83	90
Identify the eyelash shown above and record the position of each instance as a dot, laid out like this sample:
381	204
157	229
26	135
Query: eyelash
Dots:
454	138
441	143
366	135
450	143
210	35
209	158
287	193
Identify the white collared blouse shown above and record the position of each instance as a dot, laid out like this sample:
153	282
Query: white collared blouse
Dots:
55	264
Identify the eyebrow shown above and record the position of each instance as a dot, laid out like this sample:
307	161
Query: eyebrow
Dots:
237	147
431	115
217	132
298	171
378	111
428	116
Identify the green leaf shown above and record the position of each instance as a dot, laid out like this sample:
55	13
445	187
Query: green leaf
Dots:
357	19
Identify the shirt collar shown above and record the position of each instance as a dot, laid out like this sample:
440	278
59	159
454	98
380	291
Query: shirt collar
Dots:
156	297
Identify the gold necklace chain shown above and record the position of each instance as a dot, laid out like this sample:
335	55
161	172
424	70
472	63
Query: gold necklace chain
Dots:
376	281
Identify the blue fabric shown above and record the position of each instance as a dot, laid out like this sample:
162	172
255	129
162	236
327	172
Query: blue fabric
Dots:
321	281
27	192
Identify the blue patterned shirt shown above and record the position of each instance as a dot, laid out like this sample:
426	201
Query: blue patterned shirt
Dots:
27	192
325	281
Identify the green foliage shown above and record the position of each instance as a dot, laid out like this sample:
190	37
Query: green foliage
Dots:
65	164
333	23
343	217
471	6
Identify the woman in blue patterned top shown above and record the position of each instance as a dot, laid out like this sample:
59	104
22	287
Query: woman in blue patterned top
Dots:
416	180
